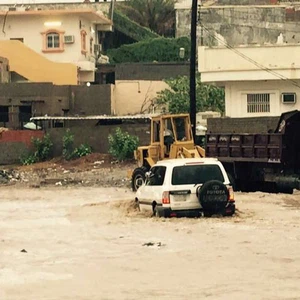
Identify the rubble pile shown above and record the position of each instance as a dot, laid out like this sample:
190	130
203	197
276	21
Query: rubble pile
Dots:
83	173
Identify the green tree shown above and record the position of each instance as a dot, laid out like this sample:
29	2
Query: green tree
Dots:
158	15
177	99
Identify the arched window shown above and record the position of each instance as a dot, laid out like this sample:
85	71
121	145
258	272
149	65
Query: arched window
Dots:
53	41
83	42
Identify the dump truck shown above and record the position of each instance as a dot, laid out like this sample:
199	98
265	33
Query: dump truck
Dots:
171	137
267	162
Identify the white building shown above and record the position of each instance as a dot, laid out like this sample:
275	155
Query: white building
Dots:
258	80
64	36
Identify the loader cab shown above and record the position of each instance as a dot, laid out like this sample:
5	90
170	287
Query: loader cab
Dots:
169	130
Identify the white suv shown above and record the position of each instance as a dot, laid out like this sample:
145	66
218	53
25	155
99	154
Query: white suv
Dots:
187	187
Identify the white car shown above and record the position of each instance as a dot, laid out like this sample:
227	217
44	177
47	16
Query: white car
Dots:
187	187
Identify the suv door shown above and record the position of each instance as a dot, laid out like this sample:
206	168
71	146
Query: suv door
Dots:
152	190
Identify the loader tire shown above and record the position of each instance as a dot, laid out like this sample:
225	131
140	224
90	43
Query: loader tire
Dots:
138	178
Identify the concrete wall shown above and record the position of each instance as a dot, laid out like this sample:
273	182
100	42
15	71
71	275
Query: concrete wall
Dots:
15	144
92	100
97	136
241	25
242	125
54	100
100	6
236	97
33	38
135	97
249	63
151	71
4	70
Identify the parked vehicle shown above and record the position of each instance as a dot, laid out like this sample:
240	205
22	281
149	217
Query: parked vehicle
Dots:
187	187
266	162
171	137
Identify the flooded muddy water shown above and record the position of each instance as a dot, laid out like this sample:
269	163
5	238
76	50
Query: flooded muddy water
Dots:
92	243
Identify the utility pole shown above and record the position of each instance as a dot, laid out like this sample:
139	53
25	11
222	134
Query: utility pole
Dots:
193	66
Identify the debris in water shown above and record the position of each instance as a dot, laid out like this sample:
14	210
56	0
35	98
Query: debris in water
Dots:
150	244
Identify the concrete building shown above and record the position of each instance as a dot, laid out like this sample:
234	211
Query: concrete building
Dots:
26	65
62	36
256	22
20	101
258	81
4	70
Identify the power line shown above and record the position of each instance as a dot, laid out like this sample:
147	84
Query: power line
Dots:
257	64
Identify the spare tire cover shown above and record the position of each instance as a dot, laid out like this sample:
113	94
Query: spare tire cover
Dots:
213	195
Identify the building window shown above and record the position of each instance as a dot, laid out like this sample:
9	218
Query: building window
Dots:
53	41
4	114
91	45
17	39
83	42
258	103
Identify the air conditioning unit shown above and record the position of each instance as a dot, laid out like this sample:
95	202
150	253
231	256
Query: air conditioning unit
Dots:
69	39
97	49
288	98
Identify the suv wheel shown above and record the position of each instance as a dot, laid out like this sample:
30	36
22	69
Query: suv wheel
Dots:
213	197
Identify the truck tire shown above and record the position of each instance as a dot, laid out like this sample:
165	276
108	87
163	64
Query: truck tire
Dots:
138	178
213	197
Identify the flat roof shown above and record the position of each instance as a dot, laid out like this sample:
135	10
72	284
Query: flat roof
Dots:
88	13
99	117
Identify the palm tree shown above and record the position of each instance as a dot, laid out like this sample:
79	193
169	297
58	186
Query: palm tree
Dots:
158	15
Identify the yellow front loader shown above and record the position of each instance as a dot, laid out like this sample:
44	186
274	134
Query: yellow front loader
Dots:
171	137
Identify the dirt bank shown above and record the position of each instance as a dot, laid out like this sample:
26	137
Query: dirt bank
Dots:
93	170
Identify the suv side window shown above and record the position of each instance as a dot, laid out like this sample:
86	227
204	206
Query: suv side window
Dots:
157	176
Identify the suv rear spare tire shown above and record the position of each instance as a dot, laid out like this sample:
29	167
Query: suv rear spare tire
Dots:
213	197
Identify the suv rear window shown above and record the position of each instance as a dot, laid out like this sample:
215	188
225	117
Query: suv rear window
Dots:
196	174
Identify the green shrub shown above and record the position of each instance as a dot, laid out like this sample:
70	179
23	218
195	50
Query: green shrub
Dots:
157	49
82	150
130	28
69	152
42	151
122	144
68	145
